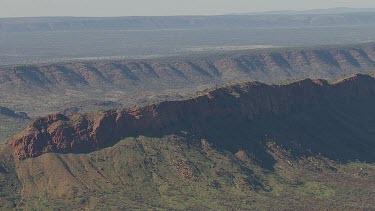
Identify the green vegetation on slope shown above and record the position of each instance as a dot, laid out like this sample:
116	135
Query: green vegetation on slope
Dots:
179	173
10	186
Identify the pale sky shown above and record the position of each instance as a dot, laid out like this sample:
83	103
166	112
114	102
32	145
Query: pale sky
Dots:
32	8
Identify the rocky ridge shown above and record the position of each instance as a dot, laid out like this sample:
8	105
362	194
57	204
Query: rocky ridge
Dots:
262	65
127	82
240	103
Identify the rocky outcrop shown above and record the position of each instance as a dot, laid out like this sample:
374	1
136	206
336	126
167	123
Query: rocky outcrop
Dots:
243	102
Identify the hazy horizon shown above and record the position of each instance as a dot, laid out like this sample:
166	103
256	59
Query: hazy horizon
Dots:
115	8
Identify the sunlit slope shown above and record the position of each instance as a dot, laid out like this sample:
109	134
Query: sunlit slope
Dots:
178	173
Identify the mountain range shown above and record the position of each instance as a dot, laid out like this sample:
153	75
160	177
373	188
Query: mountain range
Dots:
248	145
254	111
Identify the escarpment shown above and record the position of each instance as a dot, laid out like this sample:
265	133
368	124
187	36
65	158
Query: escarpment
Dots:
229	105
80	83
270	65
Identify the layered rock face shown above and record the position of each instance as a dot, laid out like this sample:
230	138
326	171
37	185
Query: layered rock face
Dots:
243	102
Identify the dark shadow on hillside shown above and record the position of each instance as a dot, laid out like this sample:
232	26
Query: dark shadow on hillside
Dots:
342	131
